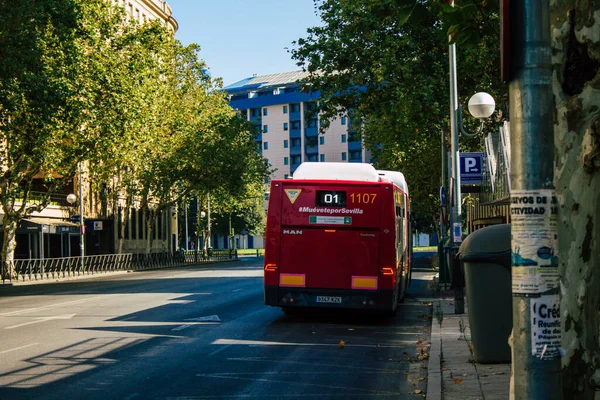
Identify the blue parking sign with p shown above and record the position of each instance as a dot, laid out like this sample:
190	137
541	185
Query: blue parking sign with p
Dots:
471	168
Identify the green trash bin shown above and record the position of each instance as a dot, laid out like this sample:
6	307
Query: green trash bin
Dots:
486	256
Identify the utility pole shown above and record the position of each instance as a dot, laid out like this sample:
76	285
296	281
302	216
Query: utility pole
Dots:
536	306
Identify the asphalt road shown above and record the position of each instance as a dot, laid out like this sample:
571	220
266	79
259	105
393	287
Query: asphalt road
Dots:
202	333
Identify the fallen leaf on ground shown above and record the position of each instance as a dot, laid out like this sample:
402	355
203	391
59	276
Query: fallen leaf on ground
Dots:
457	381
342	343
483	375
417	391
464	374
498	373
421	379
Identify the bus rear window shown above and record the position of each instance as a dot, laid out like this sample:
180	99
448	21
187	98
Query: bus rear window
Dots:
331	198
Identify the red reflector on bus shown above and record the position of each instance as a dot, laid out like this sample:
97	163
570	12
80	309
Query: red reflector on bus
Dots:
271	267
330	230
387	271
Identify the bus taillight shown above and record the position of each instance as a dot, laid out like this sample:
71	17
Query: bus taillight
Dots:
387	271
271	267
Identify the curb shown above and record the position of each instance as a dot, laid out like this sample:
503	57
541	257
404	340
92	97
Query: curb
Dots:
434	370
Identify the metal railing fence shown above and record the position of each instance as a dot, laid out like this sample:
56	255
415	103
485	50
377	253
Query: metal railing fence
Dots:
66	267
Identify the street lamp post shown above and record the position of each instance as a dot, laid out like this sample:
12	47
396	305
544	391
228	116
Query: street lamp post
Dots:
481	105
71	198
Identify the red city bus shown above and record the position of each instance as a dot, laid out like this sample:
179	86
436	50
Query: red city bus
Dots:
338	235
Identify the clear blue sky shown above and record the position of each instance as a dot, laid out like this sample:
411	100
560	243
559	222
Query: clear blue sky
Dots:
239	38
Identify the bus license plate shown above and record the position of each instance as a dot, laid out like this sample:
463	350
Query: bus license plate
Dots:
329	299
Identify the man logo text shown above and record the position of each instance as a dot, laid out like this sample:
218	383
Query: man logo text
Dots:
292	232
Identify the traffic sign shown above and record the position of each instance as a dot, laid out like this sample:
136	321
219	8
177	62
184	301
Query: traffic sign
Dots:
471	168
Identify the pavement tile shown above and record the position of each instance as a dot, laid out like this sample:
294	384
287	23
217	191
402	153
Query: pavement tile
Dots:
461	378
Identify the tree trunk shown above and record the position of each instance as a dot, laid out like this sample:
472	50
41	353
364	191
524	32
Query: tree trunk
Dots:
575	27
124	218
10	223
150	217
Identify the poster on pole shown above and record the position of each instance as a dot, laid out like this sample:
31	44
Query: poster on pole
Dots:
545	327
534	241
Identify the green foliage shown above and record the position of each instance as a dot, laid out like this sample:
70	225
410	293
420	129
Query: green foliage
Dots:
386	64
81	84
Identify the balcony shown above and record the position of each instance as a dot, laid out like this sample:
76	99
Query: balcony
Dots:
354	146
311	150
311	132
295	150
295	133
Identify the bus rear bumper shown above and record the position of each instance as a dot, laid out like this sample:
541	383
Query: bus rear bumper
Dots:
328	298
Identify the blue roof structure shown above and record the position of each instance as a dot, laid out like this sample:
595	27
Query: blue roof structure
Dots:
266	81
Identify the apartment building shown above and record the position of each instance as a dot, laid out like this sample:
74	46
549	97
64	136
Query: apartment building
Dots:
147	10
287	129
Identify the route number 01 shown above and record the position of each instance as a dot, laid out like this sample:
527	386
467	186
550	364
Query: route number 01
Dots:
363	198
331	198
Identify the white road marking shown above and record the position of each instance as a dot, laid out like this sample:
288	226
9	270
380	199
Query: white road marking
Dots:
18	348
42	319
28	310
182	327
210	318
219	350
266	343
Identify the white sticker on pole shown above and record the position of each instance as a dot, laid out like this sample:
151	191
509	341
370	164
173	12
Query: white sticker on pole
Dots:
545	327
534	241
457	232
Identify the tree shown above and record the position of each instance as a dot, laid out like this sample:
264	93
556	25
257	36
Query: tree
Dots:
576	60
385	63
53	103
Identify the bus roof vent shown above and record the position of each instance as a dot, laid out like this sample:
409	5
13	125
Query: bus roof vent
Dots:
397	178
337	171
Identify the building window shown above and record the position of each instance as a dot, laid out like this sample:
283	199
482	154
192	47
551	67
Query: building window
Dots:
343	138
322	157
285	109
296	142
295	107
286	144
344	156
265	128
322	140
267	196
266	145
343	120
295	125
312	157
265	112
266	180
285	126
286	161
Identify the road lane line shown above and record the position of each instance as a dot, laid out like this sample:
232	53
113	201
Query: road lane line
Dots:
182	327
18	348
28	310
42	319
220	350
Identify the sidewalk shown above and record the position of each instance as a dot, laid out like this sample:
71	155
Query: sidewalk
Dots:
453	375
